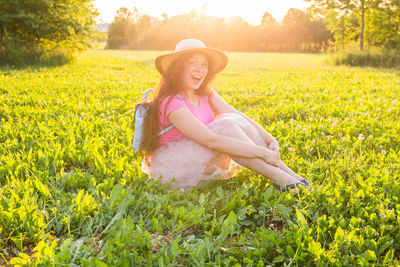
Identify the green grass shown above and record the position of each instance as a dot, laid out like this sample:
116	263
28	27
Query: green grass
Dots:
372	57
72	192
47	55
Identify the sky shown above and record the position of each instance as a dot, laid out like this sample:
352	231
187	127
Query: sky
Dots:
250	10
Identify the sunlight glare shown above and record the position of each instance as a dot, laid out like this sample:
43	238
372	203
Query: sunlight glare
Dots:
250	10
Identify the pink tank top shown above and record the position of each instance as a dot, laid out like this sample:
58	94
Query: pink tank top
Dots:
203	112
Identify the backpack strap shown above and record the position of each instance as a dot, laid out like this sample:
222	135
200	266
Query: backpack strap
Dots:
146	93
167	129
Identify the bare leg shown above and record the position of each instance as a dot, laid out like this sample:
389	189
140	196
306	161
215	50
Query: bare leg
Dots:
259	166
255	137
232	129
285	168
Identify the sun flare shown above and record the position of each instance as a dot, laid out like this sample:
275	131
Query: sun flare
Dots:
250	10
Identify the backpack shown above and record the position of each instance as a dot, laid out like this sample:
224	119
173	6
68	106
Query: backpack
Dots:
139	115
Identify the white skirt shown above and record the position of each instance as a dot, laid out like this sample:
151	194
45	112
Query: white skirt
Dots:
188	162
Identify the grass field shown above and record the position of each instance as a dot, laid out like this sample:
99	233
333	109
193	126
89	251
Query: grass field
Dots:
72	192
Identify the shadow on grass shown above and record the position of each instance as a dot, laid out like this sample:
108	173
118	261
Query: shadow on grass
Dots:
23	58
385	60
7	68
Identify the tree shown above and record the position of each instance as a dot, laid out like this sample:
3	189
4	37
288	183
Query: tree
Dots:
42	26
383	24
266	35
362	24
164	15
297	28
122	30
268	20
346	18
143	26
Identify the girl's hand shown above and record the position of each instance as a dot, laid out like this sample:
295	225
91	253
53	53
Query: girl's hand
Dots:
271	157
274	146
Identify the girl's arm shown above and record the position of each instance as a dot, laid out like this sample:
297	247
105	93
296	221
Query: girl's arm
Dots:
220	106
191	127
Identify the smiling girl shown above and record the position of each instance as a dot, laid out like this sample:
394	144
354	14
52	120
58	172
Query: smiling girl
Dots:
191	134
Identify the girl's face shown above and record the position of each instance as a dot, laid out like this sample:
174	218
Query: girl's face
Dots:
195	69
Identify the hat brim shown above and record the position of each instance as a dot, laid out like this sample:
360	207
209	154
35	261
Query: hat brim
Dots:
218	59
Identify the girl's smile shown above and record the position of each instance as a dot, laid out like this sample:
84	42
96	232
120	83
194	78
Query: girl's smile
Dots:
195	71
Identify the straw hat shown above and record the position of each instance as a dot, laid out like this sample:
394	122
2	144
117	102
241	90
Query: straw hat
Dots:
216	58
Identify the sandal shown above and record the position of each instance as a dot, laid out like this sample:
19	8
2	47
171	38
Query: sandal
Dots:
306	182
291	187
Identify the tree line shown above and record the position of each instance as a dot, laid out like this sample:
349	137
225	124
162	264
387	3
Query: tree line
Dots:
46	30
334	25
298	31
375	23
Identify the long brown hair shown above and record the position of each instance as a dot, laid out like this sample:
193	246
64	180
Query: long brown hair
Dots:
170	85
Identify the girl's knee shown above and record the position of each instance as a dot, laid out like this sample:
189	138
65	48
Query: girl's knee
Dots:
227	126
